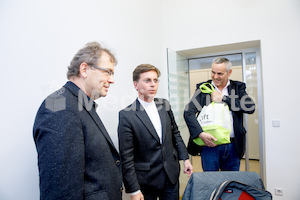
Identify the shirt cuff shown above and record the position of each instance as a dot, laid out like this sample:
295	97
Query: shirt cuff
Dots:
136	192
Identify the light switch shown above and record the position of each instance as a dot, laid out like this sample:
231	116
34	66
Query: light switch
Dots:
276	123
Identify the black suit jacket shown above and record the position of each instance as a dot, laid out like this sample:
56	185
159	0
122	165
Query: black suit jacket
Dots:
76	157
145	161
238	102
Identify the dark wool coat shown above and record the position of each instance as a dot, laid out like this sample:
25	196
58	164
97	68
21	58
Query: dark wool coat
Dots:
76	157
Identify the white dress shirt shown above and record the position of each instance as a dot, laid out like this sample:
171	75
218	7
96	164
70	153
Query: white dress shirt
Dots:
152	112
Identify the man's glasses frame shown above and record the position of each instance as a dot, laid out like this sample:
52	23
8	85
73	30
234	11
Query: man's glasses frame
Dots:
108	71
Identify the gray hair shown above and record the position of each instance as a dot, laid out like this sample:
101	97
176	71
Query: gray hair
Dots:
221	60
89	54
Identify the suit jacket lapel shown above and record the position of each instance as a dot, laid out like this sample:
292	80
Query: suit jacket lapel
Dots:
142	115
230	87
99	123
90	109
162	114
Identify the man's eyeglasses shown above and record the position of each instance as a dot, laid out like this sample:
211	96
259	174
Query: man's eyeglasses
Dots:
108	71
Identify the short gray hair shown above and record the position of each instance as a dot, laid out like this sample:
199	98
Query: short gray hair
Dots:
221	60
89	54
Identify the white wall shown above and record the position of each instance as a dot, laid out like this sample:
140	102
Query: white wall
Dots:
195	24
37	42
39	38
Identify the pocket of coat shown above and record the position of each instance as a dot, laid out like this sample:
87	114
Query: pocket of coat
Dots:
101	194
142	166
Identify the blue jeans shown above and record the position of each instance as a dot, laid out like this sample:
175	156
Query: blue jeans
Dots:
222	157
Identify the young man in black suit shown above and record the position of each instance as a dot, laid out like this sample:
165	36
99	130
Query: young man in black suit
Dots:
225	157
76	157
150	142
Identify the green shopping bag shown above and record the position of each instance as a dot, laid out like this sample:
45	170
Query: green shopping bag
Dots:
214	119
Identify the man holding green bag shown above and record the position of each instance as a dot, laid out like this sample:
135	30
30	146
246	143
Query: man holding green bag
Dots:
221	91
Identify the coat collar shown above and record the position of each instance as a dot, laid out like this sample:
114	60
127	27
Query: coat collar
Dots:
230	86
90	107
77	92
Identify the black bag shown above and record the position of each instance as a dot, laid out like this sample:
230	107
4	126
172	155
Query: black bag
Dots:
193	149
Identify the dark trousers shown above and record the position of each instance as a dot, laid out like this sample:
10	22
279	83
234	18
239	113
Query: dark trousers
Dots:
168	192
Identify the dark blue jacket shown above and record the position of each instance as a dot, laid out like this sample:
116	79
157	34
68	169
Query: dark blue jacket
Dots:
76	157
